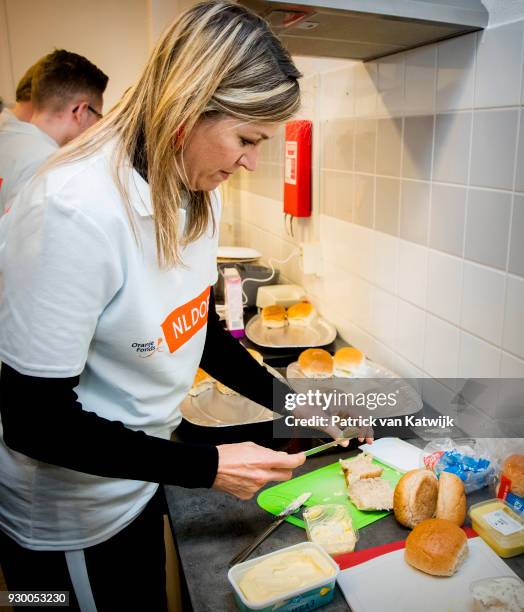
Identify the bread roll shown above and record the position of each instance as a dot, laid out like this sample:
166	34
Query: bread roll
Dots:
347	361
274	316
415	497
513	470
221	388
301	314
316	363
451	501
437	547
371	494
360	467
202	383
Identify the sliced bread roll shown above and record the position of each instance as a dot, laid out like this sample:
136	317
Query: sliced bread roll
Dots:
451	501
415	498
360	467
371	494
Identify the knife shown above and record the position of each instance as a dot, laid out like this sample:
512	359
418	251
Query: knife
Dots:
318	449
347	434
291	509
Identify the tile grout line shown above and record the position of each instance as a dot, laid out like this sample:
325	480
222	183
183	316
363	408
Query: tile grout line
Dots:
428	227
512	207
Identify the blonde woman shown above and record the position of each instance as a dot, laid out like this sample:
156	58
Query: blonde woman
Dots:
107	264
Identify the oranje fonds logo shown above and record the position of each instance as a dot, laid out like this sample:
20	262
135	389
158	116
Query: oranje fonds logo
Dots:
146	349
179	326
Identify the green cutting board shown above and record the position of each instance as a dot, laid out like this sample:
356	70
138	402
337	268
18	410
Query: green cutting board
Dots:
327	486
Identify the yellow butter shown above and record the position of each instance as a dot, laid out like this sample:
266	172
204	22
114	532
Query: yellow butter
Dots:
283	573
500	526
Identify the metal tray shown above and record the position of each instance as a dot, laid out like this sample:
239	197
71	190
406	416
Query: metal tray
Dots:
319	333
370	370
214	409
408	400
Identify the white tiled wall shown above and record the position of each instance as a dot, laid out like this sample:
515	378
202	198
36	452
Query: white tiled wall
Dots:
418	201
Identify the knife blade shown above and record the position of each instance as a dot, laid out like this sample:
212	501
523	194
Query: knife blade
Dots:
290	509
347	434
318	449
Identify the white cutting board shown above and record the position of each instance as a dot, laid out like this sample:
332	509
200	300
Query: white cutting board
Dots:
389	583
396	453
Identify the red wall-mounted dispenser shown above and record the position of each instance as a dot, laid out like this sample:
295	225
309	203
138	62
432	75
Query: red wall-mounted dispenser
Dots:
297	169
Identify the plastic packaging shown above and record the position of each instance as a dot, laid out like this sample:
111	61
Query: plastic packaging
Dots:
510	485
499	526
330	526
466	458
260	275
504	593
309	597
234	308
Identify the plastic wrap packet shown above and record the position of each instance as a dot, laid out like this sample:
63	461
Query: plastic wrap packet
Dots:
467	459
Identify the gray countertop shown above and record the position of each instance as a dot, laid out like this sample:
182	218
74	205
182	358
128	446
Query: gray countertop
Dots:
210	527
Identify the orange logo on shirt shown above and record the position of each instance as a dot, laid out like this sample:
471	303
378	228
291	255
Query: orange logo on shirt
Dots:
184	322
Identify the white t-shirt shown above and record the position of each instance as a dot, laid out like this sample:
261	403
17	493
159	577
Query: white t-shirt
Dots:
23	149
80	297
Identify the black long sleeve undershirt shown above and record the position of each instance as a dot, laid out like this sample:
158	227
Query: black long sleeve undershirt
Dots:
229	362
43	419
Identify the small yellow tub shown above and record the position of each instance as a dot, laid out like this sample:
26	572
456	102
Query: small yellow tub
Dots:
499	526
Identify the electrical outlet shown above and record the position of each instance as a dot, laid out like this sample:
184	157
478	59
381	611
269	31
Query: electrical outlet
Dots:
311	258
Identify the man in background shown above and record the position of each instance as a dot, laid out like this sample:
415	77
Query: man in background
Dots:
22	110
67	98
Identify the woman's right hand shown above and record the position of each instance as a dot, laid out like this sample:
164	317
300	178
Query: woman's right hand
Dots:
246	467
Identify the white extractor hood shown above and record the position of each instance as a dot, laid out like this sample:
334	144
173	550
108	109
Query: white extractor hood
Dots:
367	29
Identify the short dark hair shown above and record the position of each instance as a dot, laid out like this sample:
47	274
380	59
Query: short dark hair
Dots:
23	89
61	75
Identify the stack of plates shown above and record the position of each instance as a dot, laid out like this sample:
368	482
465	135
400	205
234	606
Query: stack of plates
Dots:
234	254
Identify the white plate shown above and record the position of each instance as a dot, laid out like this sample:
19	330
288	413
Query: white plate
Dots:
214	409
235	252
397	453
318	333
402	587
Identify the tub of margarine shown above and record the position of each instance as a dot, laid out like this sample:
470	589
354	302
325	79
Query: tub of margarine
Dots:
499	525
292	579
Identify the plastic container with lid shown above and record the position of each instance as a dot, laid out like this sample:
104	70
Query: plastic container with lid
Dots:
299	577
499	526
503	593
330	526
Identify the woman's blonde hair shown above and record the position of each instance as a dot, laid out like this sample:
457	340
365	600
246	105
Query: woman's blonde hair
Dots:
217	58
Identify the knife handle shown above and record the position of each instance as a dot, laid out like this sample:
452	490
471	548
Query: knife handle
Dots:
245	552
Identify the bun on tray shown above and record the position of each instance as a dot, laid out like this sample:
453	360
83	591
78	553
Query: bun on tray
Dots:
301	314
347	361
437	547
316	363
273	316
203	381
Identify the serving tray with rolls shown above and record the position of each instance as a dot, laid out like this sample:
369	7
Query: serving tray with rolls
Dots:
350	370
298	326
